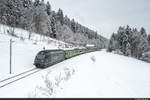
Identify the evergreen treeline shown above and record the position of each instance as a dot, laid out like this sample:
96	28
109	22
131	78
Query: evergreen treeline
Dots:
131	42
36	16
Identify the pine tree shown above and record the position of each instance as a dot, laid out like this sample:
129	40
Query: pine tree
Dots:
49	32
53	23
113	43
3	10
12	11
48	8
40	18
27	18
143	32
142	47
60	16
148	39
110	45
26	3
73	25
67	21
36	3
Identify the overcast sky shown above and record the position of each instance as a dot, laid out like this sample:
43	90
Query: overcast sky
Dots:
105	16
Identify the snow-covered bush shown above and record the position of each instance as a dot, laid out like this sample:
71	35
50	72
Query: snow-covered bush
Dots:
146	56
117	51
67	73
93	58
11	31
22	38
58	79
52	83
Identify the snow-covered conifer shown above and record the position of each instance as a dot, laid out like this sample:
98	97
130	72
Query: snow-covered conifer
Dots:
60	16
48	8
148	38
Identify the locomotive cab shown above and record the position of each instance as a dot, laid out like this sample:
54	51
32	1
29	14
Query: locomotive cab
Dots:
47	58
39	59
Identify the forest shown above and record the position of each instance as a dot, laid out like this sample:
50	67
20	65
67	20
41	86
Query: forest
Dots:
131	42
38	16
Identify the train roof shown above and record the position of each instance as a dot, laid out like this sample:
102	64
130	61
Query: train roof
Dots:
75	49
45	51
90	45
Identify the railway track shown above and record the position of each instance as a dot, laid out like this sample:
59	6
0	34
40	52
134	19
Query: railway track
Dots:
17	77
20	76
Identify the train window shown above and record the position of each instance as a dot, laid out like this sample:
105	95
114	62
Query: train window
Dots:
48	53
41	53
40	56
46	56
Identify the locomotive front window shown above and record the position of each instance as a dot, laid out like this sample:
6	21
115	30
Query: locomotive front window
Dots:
40	56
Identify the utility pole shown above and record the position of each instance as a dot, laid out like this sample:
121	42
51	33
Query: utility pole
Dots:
10	53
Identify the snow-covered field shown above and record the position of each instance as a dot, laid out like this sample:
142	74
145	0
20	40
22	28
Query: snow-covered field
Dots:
109	75
96	74
23	50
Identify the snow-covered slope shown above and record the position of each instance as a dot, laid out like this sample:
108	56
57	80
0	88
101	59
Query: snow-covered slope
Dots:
97	74
23	50
108	75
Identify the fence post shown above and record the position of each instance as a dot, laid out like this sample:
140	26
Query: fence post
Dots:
10	53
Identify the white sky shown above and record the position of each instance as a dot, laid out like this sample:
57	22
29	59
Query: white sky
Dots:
105	16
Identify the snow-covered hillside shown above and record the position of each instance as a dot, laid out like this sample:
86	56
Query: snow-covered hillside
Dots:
102	74
37	16
23	49
96	74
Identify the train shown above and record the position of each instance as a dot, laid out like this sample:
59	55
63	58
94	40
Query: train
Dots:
46	58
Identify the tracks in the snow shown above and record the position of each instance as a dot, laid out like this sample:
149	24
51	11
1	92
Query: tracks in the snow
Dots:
17	77
20	76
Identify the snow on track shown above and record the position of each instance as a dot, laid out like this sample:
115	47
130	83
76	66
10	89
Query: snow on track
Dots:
18	77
